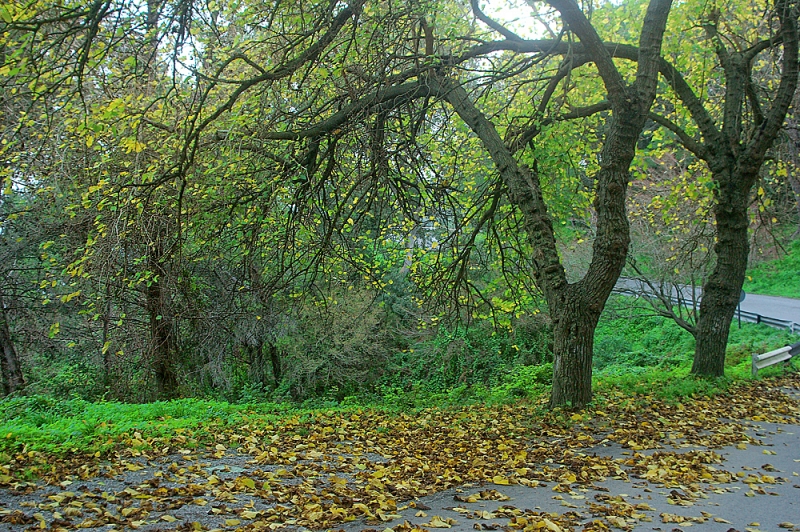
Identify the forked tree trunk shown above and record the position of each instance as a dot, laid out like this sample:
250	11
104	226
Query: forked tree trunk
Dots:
574	308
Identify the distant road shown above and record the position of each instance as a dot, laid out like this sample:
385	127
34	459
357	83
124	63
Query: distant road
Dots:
779	308
782	308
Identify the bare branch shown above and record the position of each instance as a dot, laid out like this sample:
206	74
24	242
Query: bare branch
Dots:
496	26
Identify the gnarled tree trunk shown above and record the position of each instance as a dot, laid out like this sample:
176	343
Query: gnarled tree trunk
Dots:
735	155
573	345
722	289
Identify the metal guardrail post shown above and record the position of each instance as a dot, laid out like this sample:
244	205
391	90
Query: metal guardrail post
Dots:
794	349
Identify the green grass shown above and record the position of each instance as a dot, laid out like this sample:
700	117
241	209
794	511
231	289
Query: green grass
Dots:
779	277
635	354
58	426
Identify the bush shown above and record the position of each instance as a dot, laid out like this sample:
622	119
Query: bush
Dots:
479	355
340	348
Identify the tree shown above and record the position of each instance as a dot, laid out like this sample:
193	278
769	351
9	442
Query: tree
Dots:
348	131
346	151
574	308
735	151
732	130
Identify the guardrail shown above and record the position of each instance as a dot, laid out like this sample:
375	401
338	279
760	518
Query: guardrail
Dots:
783	354
743	315
766	320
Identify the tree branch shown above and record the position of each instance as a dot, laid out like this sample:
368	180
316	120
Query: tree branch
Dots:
768	130
596	49
496	26
381	99
686	141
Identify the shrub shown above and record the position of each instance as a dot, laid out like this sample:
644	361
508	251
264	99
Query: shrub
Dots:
340	347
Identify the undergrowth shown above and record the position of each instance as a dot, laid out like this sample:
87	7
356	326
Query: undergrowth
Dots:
636	355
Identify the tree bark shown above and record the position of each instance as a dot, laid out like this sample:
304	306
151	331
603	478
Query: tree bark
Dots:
722	289
573	345
164	344
12	373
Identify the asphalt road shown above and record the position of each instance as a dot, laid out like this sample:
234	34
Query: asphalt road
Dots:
781	308
732	507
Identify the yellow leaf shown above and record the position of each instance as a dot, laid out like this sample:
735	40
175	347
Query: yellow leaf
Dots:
168	518
501	480
232	522
569	477
246	482
438	522
551	525
617	521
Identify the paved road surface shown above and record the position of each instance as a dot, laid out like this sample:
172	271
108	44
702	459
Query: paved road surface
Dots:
781	308
735	506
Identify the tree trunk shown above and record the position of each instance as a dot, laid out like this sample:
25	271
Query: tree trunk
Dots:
735	165
574	308
105	351
722	289
573	347
164	345
12	373
275	360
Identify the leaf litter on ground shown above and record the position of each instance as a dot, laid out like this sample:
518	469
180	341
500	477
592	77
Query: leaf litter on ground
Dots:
323	469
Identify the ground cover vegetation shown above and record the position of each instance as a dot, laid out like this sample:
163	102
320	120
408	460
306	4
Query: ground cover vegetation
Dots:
777	277
326	200
189	465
